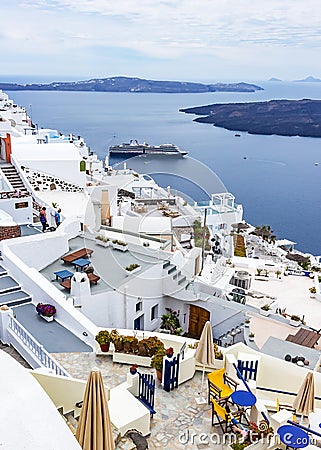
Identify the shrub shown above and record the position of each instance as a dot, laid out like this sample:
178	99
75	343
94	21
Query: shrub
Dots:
266	307
116	241
103	337
295	318
157	360
313	290
132	267
102	238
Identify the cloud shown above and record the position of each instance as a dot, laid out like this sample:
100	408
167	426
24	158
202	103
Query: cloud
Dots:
167	30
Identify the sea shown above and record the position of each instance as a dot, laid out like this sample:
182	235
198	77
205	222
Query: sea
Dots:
277	179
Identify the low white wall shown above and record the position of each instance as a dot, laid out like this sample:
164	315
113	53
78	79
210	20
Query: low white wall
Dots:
44	291
64	392
40	250
277	374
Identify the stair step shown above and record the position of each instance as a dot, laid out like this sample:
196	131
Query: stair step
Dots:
166	264
177	275
171	270
19	302
181	280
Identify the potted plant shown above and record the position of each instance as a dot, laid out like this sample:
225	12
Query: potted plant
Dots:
169	352
103	338
157	363
46	311
247	323
119	245
130	344
133	369
102	240
132	268
265	309
295	320
313	291
251	337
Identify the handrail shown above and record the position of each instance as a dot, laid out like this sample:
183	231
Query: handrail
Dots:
27	340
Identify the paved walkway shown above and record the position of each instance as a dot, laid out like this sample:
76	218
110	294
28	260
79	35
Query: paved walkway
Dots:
178	417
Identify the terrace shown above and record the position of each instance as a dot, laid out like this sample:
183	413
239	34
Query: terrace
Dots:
102	259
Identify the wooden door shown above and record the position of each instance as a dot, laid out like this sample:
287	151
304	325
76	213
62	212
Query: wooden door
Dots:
197	318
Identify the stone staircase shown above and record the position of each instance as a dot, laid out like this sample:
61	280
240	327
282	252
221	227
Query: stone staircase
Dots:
13	177
11	293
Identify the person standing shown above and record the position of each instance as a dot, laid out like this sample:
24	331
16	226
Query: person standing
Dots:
58	217
43	219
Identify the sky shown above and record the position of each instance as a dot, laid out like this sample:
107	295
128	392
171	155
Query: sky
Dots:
184	40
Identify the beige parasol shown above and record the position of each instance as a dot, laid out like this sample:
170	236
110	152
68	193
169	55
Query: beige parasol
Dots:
205	351
304	401
94	431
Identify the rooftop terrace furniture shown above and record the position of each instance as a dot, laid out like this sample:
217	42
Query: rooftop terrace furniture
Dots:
93	279
63	274
82	253
81	263
220	385
221	417
307	338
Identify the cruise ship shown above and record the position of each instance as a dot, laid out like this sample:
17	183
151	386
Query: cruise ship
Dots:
156	275
133	148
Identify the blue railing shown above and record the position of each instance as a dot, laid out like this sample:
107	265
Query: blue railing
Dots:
39	353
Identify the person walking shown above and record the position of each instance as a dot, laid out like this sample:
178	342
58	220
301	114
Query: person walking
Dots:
43	219
58	217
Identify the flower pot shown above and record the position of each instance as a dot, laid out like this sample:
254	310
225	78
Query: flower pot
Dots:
47	318
102	243
121	248
265	313
169	355
104	347
133	371
159	375
130	272
295	323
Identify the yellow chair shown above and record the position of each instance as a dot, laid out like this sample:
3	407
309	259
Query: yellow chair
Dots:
220	416
220	385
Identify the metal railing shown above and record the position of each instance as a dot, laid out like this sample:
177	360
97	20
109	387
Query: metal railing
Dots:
30	343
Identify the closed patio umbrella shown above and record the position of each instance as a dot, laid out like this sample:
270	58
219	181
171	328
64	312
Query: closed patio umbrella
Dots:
94	431
304	401
205	351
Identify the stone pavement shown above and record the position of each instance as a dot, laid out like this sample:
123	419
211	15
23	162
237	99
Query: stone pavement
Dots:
179	422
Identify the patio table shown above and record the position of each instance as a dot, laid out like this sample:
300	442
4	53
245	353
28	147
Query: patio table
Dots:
81	263
63	274
243	398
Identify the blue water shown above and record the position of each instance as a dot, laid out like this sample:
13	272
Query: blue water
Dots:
278	183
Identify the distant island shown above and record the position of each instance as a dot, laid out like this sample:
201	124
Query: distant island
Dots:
309	80
281	117
127	84
274	79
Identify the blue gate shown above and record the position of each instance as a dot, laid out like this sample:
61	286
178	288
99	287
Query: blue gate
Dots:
147	391
171	373
248	369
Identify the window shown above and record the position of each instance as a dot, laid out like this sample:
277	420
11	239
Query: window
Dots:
21	205
154	312
139	306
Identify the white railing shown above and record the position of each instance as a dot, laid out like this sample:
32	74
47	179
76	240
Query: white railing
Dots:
40	355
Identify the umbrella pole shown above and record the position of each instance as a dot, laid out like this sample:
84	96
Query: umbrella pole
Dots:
200	399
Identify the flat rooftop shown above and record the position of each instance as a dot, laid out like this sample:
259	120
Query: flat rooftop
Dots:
109	264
